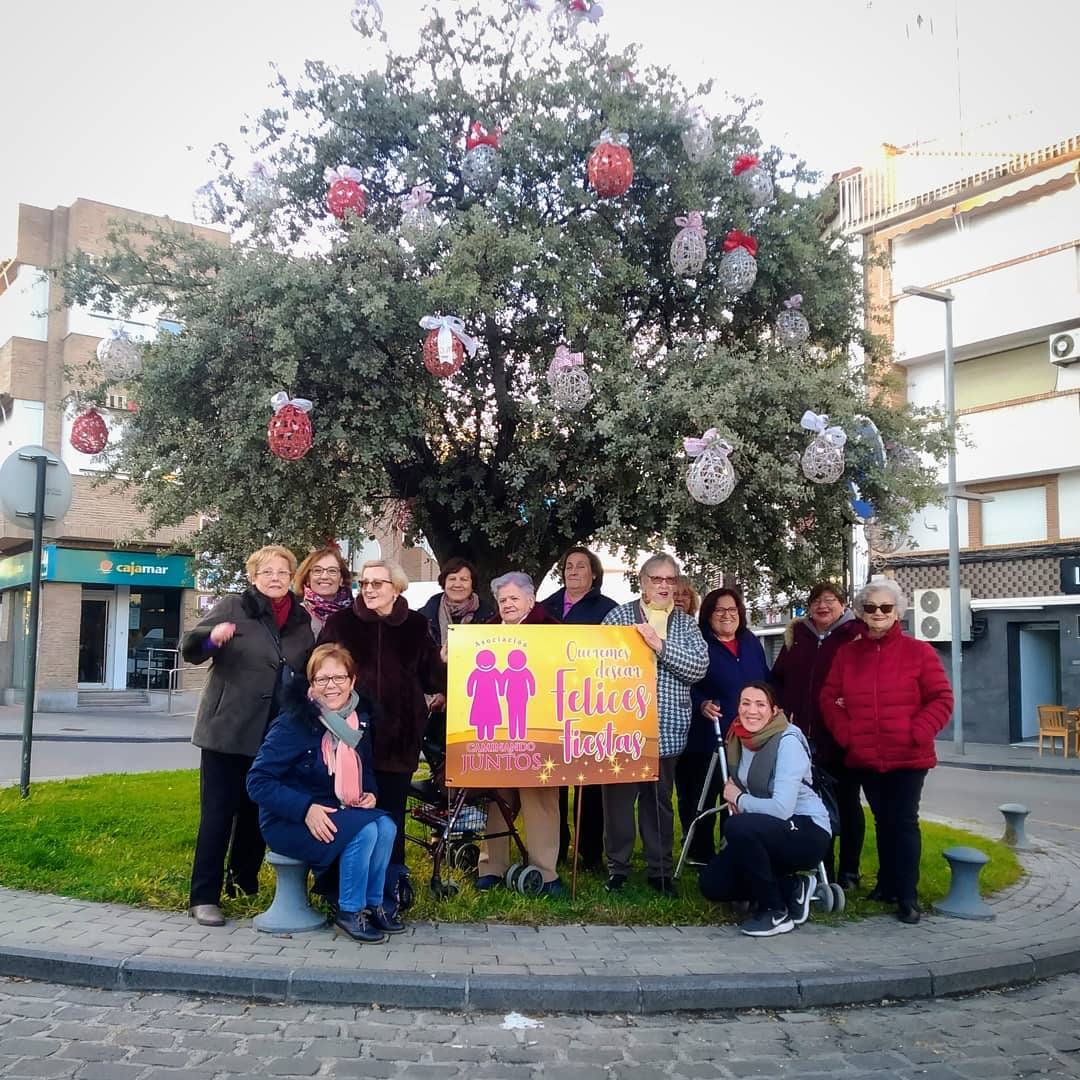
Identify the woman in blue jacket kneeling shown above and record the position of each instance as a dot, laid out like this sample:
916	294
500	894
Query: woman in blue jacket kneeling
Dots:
314	783
776	825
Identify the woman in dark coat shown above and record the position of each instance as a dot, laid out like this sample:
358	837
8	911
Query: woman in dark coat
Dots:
398	662
254	640
580	602
315	786
736	658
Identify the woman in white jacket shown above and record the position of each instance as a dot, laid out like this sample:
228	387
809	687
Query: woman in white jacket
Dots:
776	825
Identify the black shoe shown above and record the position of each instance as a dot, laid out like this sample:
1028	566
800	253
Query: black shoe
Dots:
615	882
381	919
357	926
880	896
767	924
848	882
798	892
909	914
663	885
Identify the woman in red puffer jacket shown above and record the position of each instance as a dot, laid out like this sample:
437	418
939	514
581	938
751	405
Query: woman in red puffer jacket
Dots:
885	699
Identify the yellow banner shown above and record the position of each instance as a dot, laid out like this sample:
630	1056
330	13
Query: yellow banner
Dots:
532	706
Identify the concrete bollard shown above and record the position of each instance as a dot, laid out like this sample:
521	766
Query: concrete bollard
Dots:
1015	834
964	901
290	912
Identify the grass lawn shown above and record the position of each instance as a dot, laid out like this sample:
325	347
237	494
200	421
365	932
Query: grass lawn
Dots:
128	838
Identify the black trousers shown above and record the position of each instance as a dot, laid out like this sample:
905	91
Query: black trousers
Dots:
228	825
852	820
894	798
393	794
690	771
591	837
759	852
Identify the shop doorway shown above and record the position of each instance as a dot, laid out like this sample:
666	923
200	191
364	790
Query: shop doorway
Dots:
94	640
1036	675
153	637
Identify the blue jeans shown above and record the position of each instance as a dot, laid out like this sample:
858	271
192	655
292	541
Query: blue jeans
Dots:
362	865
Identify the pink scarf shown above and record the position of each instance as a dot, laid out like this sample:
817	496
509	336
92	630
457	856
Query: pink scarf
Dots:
343	764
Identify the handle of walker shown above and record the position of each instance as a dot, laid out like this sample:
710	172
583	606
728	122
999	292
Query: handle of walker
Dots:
720	753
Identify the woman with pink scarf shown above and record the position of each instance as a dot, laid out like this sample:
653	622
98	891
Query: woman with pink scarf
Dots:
323	582
314	783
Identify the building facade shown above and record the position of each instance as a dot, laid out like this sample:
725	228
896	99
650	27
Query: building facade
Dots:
1005	240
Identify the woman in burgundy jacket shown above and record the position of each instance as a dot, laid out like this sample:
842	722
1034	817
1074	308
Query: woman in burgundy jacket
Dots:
884	700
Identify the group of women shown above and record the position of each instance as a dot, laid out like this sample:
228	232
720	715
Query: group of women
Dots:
318	702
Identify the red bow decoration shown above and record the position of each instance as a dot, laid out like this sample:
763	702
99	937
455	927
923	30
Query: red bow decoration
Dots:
480	136
743	163
736	239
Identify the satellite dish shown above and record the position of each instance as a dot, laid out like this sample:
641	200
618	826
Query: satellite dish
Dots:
18	485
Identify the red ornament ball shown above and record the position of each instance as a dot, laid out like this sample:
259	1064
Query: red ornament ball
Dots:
289	433
435	363
345	195
611	170
89	435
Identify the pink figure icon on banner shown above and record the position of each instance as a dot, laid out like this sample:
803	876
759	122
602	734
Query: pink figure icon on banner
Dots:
484	687
519	684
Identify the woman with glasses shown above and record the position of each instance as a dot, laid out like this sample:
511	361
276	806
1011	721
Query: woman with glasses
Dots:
736	658
315	786
254	641
325	585
397	662
885	699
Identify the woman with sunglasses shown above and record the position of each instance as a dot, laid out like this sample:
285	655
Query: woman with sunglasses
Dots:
885	699
324	584
397	662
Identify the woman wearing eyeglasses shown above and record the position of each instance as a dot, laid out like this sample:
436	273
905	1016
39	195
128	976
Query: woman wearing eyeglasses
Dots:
397	662
324	583
885	699
315	786
254	640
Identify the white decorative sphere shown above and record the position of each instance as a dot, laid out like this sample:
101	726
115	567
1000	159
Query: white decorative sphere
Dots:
207	205
822	462
418	219
884	539
697	140
261	190
738	271
119	357
758	185
688	252
711	479
481	169
570	388
792	329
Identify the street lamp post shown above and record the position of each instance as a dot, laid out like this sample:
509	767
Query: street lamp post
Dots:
952	497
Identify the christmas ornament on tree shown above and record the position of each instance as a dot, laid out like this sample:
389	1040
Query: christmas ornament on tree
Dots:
416	215
753	179
289	431
738	267
792	329
366	17
569	381
823	459
119	356
261	193
482	166
611	168
89	435
207	205
710	479
345	195
446	344
688	247
697	137
567	16
530	6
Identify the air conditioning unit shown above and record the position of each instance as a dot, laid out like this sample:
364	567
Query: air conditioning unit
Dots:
932	617
1065	348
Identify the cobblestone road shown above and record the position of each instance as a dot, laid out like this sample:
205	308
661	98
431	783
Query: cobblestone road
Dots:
59	1031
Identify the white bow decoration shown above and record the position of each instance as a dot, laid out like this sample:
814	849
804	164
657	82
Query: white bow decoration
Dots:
419	196
819	424
342	172
449	327
281	399
615	138
709	441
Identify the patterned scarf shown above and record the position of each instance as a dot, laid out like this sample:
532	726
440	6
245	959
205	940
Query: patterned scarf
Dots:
322	607
457	613
738	738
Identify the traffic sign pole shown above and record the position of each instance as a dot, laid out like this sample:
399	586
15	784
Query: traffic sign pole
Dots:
41	464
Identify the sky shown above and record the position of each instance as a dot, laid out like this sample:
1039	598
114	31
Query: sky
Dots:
121	100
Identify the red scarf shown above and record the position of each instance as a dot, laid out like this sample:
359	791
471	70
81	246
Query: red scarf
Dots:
737	731
281	609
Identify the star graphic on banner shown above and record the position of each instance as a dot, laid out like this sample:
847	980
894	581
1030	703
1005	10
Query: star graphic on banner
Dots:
611	758
616	768
549	764
544	776
581	778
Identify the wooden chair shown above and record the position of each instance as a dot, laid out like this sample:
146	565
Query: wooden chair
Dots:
1054	725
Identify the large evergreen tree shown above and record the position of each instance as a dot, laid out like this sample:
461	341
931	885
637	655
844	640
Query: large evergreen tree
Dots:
491	469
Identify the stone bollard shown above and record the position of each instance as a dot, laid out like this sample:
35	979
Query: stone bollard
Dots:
290	912
964	901
1015	836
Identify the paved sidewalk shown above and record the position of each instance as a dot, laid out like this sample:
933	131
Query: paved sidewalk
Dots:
1036	934
125	724
1023	758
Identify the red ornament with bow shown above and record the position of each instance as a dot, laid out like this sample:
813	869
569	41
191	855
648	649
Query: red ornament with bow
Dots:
89	435
446	344
345	194
611	168
289	431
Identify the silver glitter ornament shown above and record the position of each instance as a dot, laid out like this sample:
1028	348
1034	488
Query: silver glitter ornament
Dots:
884	539
697	139
738	271
792	329
569	381
710	479
688	247
207	205
119	356
481	169
758	185
823	461
416	215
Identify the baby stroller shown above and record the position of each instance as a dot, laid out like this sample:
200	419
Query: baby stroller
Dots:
827	894
455	824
